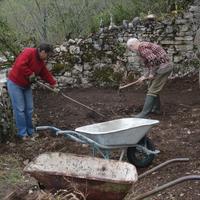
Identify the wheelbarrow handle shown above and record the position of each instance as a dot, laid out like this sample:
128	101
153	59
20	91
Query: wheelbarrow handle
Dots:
42	128
77	137
81	138
73	135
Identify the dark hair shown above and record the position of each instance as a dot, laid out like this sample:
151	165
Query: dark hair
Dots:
48	48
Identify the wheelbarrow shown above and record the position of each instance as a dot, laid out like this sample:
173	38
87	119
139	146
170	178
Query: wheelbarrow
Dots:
126	134
94	178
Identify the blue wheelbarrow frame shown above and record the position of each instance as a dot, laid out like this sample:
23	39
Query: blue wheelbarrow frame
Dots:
106	136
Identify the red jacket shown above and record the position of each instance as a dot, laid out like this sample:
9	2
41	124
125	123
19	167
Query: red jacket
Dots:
25	64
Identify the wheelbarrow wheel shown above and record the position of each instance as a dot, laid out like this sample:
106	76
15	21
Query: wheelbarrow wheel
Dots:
138	157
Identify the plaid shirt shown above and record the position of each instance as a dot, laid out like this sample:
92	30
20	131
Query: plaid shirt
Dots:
153	57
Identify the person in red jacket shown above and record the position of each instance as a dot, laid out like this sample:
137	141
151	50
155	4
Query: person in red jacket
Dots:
29	64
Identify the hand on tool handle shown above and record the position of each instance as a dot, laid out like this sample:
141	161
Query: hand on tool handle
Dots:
55	88
143	78
32	78
139	81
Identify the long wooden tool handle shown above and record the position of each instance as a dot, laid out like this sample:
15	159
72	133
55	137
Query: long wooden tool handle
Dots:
128	85
71	99
46	86
81	104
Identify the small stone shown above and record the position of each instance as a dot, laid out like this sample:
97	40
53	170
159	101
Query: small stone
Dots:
182	194
26	162
12	144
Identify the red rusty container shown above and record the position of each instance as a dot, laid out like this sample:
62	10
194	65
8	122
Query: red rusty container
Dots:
96	178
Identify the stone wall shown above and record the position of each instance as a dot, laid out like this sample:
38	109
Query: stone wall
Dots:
102	59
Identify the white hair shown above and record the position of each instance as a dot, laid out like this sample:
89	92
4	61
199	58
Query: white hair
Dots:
132	41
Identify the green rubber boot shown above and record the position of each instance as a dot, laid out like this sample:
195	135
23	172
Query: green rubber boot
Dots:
156	107
147	108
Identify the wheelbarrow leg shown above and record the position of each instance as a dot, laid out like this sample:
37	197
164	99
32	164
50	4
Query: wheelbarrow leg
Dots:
105	153
122	154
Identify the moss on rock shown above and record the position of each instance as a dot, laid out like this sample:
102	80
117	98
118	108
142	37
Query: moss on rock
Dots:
132	76
106	77
58	68
117	77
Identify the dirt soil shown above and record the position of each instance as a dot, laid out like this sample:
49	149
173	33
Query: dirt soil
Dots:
177	135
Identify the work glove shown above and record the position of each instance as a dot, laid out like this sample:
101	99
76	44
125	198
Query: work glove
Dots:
141	79
32	78
150	77
55	88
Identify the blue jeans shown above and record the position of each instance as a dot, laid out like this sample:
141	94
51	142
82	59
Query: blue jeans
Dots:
22	103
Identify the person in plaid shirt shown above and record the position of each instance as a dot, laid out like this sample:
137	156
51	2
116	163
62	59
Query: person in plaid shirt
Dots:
157	69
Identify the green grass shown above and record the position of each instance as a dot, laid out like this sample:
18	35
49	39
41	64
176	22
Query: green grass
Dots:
11	172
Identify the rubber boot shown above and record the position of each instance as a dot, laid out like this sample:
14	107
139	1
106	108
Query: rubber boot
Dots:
148	105
156	107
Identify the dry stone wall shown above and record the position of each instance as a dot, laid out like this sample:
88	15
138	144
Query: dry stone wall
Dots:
102	59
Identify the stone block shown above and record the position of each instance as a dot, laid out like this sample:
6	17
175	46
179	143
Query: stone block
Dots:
181	21
185	38
184	48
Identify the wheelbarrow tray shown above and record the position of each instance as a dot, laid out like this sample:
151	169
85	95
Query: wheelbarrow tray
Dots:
97	178
119	132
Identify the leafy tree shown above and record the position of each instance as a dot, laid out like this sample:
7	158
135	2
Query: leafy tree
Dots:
8	41
56	20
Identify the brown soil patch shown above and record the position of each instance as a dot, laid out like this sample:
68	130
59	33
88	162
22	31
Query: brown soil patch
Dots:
177	135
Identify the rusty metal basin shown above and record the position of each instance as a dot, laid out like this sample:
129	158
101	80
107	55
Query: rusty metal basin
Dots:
96	178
